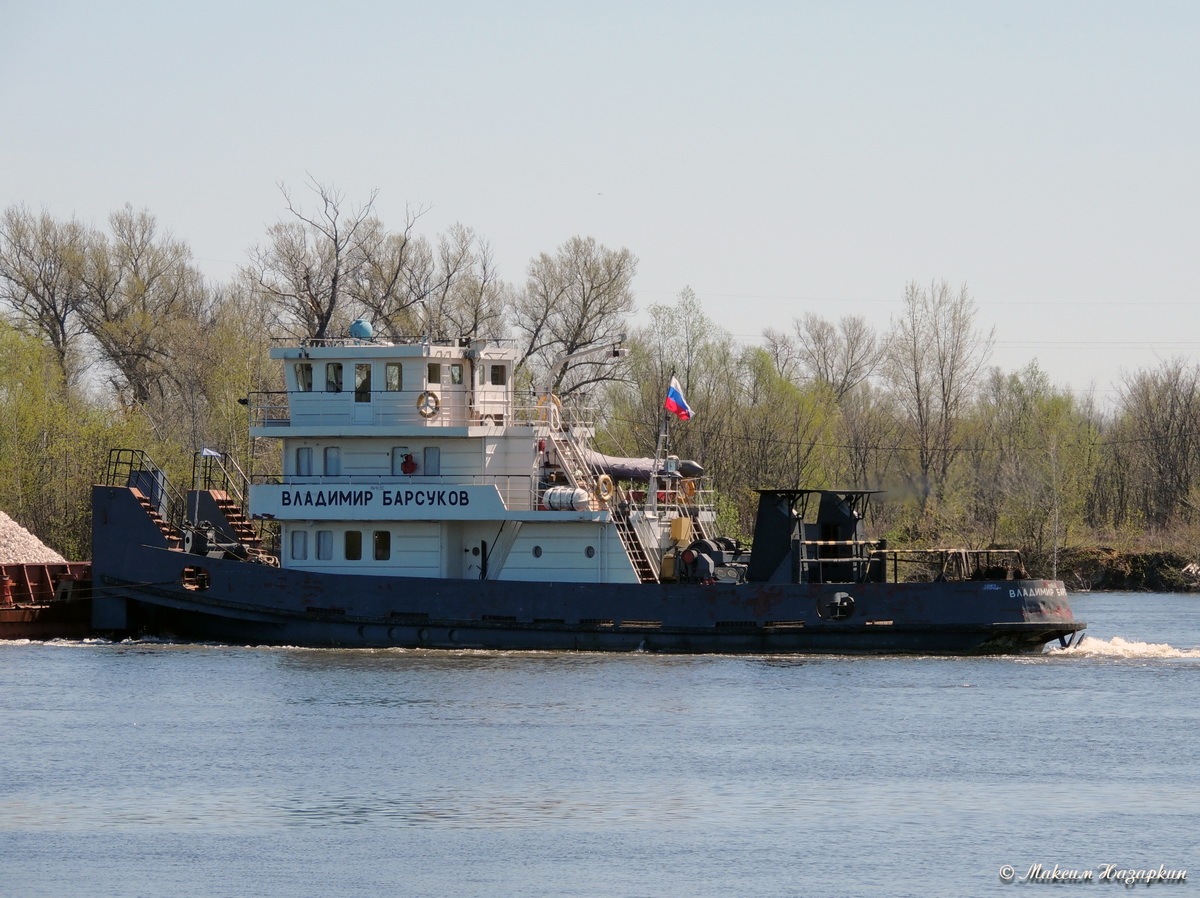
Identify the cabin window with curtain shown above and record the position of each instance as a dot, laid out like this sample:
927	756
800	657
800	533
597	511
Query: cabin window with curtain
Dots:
456	374
434	374
304	458
324	545
304	376
362	383
333	377
393	377
433	460
299	545
383	545
353	545
499	375
333	461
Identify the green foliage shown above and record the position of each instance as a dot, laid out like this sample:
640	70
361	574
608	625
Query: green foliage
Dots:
53	445
966	456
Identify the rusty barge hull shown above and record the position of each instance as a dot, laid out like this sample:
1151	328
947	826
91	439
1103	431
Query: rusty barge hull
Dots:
45	601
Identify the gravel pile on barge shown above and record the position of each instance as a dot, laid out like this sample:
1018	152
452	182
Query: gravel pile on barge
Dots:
19	546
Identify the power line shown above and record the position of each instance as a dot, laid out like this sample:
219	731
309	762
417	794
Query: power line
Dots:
778	441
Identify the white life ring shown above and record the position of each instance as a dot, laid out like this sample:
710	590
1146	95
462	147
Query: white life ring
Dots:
428	404
604	487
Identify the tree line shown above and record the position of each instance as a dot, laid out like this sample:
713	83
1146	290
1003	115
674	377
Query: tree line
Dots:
111	336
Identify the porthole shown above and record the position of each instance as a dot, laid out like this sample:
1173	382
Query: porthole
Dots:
590	551
537	551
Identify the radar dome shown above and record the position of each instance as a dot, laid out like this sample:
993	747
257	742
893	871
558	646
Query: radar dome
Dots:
361	329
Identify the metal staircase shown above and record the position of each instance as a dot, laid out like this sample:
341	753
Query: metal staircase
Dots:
219	474
243	528
174	537
583	476
646	571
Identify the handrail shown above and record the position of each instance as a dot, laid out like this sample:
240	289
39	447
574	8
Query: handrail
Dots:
211	471
275	408
878	561
134	468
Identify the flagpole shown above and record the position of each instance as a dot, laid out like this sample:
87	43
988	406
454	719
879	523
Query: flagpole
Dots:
660	450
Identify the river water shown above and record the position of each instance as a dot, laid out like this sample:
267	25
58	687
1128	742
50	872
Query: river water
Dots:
131	769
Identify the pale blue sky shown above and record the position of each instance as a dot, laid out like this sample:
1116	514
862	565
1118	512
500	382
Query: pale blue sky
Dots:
777	157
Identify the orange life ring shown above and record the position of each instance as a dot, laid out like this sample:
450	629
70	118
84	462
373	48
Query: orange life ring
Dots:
604	488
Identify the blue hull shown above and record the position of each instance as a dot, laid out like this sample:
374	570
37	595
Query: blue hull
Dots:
143	585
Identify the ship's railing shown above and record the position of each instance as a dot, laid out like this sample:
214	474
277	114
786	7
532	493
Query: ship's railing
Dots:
398	340
692	497
860	561
269	408
212	470
135	468
453	409
916	565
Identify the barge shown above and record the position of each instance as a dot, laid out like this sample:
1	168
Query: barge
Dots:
45	601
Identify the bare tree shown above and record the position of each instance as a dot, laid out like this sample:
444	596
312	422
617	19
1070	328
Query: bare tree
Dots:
307	264
781	350
40	265
842	356
1160	417
140	297
934	360
391	274
578	298
470	300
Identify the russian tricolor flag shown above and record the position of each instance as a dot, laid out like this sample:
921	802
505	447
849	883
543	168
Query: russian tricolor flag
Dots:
675	403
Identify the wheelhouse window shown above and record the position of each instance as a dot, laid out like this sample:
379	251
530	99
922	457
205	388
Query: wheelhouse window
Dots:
499	375
362	383
333	377
353	545
304	461
434	373
383	545
333	461
324	545
393	377
456	374
304	376
299	545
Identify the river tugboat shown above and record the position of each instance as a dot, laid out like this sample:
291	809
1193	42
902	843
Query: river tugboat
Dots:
422	503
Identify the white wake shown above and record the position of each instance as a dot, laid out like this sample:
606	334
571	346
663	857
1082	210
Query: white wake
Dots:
1118	647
